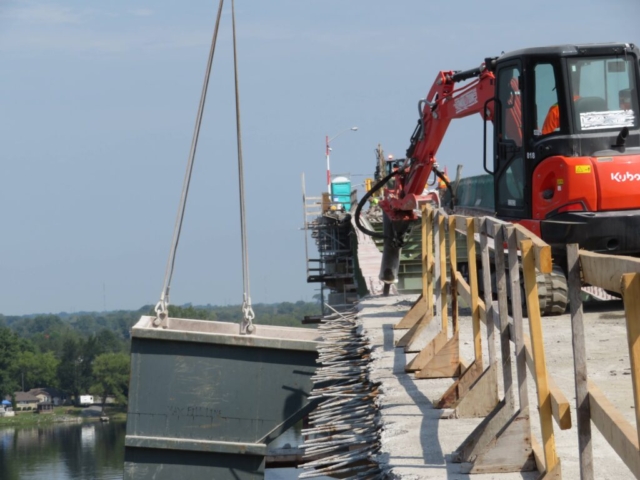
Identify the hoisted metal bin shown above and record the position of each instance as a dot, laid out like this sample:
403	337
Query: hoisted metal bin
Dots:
204	401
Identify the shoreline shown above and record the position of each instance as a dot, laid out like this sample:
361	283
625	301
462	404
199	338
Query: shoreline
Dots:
35	419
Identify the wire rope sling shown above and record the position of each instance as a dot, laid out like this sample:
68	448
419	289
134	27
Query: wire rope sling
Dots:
162	307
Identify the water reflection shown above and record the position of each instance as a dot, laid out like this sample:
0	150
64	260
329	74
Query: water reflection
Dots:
87	451
63	452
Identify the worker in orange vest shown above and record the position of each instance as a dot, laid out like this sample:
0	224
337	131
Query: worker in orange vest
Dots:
441	182
552	121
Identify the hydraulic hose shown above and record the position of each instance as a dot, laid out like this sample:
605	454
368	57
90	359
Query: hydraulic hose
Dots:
379	185
363	200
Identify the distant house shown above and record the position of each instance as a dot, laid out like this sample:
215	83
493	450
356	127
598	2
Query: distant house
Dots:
47	394
25	400
45	407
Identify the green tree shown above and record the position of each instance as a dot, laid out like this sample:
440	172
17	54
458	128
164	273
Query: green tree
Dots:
39	369
70	366
111	374
9	351
109	341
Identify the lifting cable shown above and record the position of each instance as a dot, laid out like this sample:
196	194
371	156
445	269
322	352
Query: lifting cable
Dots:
246	326
162	307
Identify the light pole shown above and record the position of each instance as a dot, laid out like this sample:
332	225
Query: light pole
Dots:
328	145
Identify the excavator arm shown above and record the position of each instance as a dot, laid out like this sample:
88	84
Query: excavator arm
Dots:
443	103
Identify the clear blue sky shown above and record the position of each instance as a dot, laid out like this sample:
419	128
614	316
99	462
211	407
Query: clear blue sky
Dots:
98	101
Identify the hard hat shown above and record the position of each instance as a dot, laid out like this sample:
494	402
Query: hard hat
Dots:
390	157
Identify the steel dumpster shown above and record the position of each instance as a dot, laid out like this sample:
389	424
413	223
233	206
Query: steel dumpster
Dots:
205	401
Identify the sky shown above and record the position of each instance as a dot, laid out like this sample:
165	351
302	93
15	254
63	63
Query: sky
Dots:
98	103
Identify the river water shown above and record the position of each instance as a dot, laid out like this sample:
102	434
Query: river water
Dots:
85	451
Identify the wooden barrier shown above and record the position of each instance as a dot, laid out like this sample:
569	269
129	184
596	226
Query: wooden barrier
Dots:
503	441
421	313
621	275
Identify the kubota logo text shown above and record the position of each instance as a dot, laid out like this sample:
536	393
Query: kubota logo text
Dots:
625	177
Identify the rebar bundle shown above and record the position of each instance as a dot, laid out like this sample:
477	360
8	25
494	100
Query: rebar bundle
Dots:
344	435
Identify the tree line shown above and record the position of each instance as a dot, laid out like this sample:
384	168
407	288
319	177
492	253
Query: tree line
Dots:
88	352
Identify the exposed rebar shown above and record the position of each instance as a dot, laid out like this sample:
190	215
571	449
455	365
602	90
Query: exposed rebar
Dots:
344	436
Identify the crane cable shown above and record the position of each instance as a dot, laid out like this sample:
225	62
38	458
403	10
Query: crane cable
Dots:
162	307
246	327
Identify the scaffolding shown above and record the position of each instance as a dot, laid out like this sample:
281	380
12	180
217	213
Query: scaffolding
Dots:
329	225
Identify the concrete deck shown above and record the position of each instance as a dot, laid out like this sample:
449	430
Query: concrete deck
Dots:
417	443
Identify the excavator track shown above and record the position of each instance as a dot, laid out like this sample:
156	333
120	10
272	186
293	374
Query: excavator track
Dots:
553	292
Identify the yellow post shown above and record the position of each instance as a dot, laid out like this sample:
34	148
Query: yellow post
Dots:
539	360
427	255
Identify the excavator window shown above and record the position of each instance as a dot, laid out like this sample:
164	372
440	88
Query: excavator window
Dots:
510	171
546	99
603	96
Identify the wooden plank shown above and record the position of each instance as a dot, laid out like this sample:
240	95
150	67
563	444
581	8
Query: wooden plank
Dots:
427	254
482	436
516	313
542	250
437	264
427	353
560	406
620	434
535	329
494	224
409	339
415	313
481	225
554	474
464	290
460	387
538	454
445	363
461	223
453	269
631	296
503	314
605	271
580	364
481	397
503	444
442	253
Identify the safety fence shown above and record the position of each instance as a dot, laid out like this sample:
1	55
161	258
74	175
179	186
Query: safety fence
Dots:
503	441
620	275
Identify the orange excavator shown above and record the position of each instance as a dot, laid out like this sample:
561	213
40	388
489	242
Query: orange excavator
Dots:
566	148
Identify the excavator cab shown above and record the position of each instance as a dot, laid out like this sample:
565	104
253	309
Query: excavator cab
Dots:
566	160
